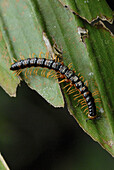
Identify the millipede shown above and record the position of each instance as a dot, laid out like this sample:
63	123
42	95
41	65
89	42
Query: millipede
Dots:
64	71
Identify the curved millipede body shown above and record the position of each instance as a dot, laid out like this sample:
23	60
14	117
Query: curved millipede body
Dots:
64	70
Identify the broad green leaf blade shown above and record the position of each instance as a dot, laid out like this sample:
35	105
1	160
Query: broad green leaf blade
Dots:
22	33
90	9
64	30
3	165
7	81
87	58
99	45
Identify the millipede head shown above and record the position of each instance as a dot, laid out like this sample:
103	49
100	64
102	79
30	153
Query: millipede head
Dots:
14	67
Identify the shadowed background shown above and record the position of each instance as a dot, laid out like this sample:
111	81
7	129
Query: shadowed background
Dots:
35	135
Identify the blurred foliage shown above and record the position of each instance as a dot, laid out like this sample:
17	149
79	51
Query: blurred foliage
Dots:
3	165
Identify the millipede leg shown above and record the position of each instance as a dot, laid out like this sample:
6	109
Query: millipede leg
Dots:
30	56
53	57
33	54
14	60
86	109
69	88
22	57
98	100
78	74
47	55
72	91
66	86
58	60
98	108
30	71
82	78
40	54
35	71
80	100
43	73
76	95
83	106
87	112
19	72
70	66
26	73
86	83
61	76
55	76
83	102
12	63
74	70
16	72
96	92
62	81
49	73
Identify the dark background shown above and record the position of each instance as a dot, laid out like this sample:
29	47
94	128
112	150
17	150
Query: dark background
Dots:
36	136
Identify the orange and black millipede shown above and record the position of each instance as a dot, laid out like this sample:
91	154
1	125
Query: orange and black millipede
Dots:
64	70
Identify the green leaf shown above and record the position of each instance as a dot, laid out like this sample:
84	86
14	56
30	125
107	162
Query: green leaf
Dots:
7	81
3	165
22	35
90	9
88	48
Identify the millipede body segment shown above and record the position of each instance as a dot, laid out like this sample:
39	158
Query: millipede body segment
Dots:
64	70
